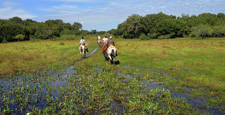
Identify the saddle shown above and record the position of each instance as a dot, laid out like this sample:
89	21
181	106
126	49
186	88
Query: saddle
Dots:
111	46
84	46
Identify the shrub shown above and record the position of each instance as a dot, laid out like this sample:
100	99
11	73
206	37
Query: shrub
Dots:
143	37
61	43
153	36
164	37
19	37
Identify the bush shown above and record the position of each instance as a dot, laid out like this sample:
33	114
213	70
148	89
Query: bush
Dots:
19	37
164	37
61	43
191	35
153	36
144	37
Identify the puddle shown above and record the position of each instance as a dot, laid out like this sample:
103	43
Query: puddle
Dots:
36	87
92	52
99	69
117	109
199	102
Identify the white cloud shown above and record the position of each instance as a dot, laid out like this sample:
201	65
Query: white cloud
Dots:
107	14
89	1
63	9
9	12
65	6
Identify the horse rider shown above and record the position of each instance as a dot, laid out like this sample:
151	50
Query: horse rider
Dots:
111	43
99	38
82	42
105	45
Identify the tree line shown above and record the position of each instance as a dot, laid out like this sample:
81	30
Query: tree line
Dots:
151	26
162	26
16	29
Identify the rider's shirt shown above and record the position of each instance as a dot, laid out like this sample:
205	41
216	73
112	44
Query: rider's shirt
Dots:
111	42
105	40
99	37
82	41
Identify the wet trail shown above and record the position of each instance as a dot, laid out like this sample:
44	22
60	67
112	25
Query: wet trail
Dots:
41	89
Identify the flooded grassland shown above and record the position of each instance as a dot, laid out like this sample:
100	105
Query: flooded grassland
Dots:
179	76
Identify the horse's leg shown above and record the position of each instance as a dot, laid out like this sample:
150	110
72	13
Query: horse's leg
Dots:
110	58
83	52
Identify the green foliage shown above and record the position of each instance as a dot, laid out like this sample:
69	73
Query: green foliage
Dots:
77	26
16	29
168	26
201	30
8	31
218	31
164	37
16	20
154	26
20	37
130	28
144	37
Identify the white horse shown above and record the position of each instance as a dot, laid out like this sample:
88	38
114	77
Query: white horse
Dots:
99	42
83	50
112	53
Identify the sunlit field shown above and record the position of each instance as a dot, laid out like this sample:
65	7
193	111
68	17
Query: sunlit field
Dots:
169	76
29	56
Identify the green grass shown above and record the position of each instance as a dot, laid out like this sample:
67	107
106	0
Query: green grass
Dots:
191	68
33	56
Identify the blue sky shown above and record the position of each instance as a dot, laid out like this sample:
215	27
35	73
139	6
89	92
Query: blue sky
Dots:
103	15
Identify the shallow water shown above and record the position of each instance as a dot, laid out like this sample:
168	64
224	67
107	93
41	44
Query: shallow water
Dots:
40	85
198	102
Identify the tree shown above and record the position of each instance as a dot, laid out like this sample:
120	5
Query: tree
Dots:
218	31
131	27
16	20
43	31
8	31
77	26
201	30
93	31
67	26
169	27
